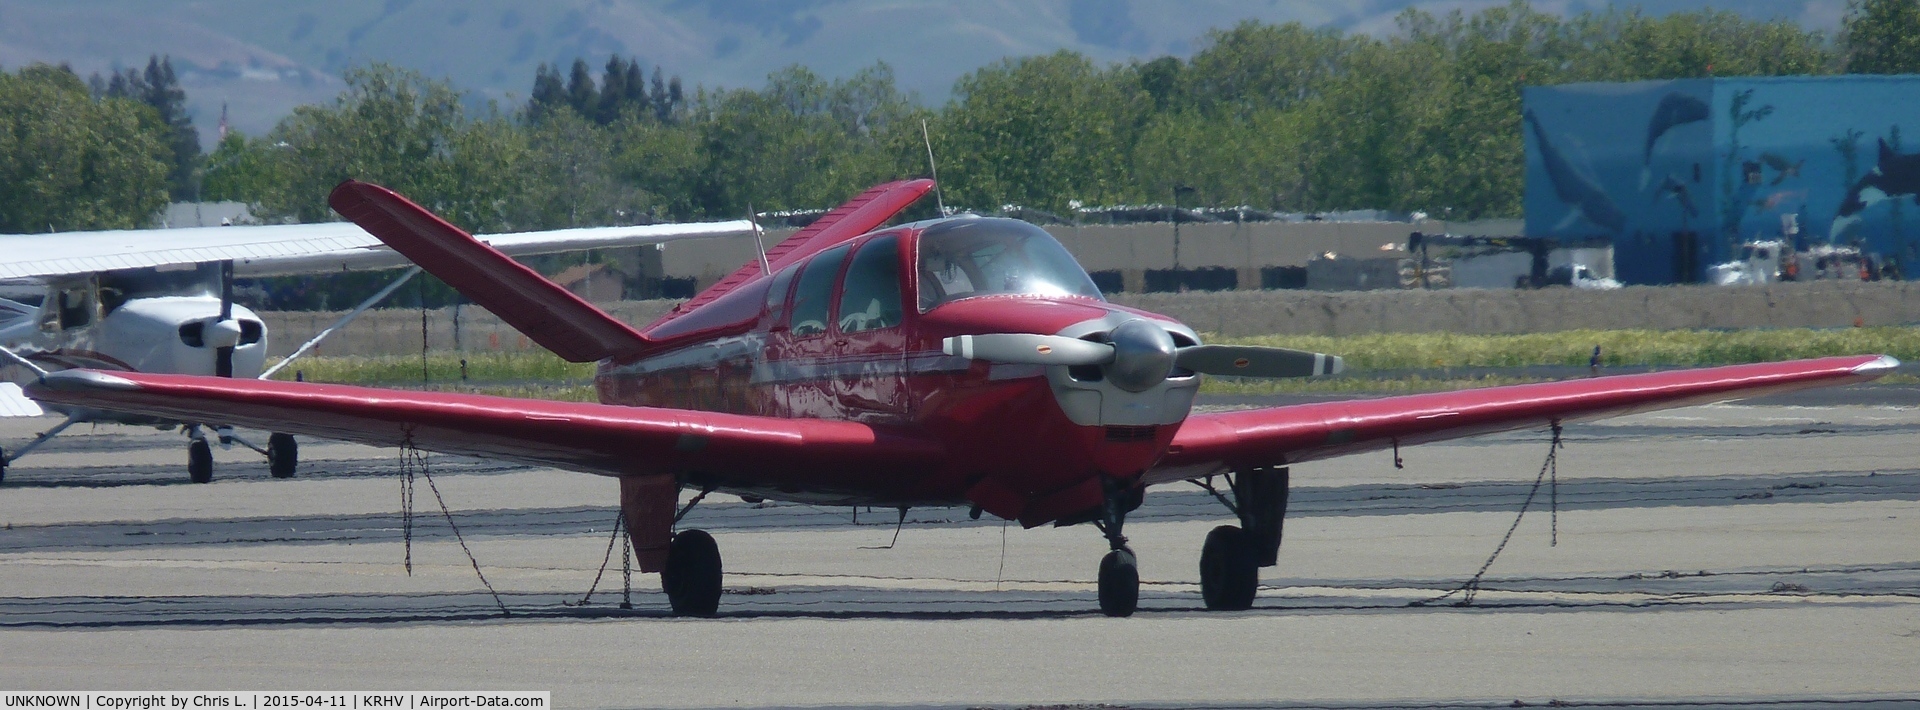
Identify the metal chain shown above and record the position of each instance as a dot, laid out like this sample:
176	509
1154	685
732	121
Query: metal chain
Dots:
1551	465
619	522
406	500
418	459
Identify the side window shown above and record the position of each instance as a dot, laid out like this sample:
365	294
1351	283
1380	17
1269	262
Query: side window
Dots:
814	294
871	298
777	294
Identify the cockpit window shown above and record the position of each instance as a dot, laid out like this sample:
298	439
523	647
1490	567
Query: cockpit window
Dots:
980	257
814	294
870	300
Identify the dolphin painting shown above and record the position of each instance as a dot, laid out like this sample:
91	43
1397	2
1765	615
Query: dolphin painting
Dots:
1896	174
1574	188
1675	109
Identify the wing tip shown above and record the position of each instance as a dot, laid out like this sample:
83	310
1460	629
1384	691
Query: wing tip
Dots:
1877	366
85	380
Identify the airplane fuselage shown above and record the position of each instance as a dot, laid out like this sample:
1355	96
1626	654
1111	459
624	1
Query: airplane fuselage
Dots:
1029	441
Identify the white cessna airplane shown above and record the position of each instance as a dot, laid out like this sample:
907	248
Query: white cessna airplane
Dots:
161	300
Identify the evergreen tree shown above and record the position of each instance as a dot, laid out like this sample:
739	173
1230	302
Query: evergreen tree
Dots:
163	93
1882	36
661	105
580	92
549	92
637	88
613	91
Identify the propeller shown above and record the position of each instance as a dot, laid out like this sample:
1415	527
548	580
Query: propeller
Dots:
1137	355
224	334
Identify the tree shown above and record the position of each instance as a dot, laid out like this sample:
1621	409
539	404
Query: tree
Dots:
801	142
613	92
549	93
391	126
1257	66
1881	36
243	170
70	162
164	94
1041	131
580	92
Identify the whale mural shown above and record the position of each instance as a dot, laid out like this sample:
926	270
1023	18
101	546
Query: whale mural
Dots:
1679	174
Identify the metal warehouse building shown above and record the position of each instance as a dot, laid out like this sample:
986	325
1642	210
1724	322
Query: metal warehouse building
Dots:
1678	174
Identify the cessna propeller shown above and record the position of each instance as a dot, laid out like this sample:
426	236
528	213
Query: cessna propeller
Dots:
1137	355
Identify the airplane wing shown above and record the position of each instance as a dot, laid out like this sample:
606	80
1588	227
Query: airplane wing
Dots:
592	438
274	250
1219	442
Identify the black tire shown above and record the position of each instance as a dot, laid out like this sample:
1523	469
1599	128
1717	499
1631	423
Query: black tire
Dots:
283	455
199	461
1119	583
1229	570
692	576
3	465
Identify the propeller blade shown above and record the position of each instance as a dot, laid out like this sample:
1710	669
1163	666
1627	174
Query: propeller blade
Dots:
1254	361
1028	349
226	289
223	356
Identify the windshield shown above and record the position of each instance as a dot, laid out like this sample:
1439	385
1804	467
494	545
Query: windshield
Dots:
980	257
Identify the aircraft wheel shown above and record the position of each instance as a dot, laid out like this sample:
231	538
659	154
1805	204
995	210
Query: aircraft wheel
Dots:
692	576
1229	570
199	461
1119	583
3	465
283	455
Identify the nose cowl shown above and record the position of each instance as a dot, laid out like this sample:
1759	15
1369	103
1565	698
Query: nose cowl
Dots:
1143	355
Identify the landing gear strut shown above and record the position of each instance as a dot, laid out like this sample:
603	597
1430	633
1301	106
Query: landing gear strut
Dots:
1119	570
1231	559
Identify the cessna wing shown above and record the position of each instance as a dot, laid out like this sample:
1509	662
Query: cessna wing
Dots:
592	438
274	250
1219	442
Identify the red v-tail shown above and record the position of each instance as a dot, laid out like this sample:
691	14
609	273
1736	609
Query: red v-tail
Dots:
548	314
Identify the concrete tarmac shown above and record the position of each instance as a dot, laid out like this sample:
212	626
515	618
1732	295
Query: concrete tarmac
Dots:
1720	556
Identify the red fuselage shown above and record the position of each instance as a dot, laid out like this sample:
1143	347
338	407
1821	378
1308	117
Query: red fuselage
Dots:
1028	441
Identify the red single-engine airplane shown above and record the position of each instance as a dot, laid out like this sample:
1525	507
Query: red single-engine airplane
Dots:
958	361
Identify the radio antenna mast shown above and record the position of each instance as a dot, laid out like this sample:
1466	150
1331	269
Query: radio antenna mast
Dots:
937	201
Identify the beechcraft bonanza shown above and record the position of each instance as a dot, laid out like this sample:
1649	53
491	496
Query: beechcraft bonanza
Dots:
161	301
962	361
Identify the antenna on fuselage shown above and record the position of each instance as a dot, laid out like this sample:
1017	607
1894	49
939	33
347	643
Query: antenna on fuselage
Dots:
928	140
758	243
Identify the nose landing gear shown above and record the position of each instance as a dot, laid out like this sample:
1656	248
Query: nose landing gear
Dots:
1119	570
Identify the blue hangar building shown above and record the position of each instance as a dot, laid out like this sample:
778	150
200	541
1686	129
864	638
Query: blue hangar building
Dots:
1678	174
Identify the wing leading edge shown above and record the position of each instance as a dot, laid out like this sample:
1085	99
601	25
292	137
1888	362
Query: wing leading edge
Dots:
281	249
1218	442
592	438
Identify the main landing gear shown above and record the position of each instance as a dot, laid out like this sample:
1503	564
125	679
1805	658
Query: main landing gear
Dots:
692	576
1231	559
282	452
